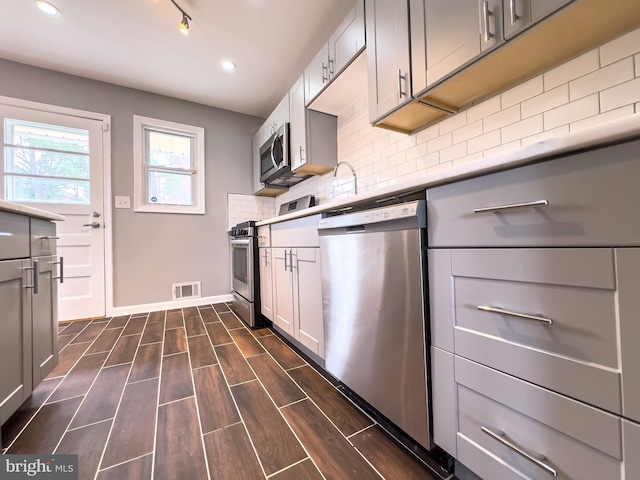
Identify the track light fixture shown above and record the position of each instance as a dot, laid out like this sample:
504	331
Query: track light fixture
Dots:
184	24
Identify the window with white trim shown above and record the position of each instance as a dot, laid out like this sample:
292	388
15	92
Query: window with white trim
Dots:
168	166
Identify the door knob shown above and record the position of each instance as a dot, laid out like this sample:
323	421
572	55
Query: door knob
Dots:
92	225
95	214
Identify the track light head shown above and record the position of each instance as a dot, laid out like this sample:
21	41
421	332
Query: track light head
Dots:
184	25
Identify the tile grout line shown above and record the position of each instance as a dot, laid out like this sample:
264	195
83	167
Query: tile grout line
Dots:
235	403
155	427
195	397
115	415
121	463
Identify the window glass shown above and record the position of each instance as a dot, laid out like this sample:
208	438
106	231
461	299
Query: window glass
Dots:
169	188
46	163
169	150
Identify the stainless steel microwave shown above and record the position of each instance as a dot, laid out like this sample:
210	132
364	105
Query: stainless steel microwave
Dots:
275	166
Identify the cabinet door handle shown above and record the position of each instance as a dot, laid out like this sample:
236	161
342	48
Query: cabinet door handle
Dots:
36	276
291	259
499	436
61	263
324	73
49	237
301	154
285	260
400	78
537	203
485	17
512	11
330	67
501	311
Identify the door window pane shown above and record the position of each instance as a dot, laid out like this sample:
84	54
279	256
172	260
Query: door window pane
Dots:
47	190
169	188
46	163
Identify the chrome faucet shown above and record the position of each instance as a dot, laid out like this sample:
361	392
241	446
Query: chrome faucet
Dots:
355	178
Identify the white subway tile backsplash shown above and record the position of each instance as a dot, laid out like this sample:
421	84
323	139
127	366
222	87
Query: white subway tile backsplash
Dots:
443	141
429	160
502	118
468	159
546	101
439	168
601	79
454	152
540	137
624	94
524	128
602	118
504	148
484	142
621	47
522	92
468	131
572	112
453	123
572	69
407	167
484	109
636	61
428	134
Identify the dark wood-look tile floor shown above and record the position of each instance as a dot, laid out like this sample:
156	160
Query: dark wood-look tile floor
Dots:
194	394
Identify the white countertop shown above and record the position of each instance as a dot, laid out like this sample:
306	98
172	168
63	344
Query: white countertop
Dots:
610	133
29	211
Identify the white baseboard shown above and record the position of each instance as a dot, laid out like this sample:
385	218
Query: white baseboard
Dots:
154	307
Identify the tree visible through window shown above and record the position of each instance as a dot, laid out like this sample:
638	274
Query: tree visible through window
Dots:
169	166
46	163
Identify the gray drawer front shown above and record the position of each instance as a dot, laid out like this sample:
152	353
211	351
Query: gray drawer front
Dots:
14	236
578	353
42	241
592	201
539	431
559	285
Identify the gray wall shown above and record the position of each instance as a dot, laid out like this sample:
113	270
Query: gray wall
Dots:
150	250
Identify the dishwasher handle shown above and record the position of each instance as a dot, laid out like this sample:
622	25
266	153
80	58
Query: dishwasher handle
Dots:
355	229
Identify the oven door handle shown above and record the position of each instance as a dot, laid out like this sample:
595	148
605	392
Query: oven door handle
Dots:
241	241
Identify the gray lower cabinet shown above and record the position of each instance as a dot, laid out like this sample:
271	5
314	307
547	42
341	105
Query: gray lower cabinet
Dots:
533	288
28	298
44	318
388	56
15	341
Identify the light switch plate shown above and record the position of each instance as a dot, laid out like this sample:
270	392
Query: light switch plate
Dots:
123	202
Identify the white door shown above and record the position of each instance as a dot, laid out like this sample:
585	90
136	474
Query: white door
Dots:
55	162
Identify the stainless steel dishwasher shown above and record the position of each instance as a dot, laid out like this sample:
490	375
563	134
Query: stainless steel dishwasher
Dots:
373	266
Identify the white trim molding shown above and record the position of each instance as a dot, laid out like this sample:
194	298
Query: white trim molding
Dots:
155	307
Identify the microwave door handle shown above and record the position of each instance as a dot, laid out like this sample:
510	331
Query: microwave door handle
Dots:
273	160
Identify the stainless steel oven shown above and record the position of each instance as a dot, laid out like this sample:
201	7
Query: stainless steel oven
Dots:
244	272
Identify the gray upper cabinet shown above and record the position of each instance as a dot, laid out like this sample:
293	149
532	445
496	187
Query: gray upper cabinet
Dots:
521	14
347	40
458	31
343	46
314	136
388	59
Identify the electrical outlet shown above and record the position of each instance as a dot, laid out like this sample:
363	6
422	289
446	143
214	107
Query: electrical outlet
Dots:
123	202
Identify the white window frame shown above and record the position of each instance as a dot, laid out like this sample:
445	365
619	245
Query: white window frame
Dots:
140	169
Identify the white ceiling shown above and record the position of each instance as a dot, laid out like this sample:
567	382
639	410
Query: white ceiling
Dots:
136	43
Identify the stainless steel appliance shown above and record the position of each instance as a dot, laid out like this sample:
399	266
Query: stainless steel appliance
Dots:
275	167
298	204
373	273
244	272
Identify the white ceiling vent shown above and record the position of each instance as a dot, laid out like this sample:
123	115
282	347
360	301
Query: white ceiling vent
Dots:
186	290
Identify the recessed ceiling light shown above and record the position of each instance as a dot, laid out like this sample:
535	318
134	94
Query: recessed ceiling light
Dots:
228	65
48	8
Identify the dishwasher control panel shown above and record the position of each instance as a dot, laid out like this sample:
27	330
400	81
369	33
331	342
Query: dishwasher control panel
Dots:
413	210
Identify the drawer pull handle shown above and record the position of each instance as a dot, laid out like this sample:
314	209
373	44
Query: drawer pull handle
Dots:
501	311
537	203
50	237
499	436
